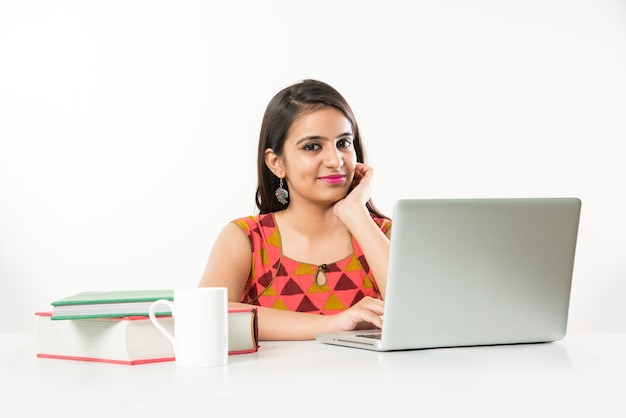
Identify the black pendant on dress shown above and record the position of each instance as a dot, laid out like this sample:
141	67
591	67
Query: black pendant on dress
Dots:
320	275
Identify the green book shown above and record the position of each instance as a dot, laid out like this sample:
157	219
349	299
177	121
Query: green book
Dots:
111	304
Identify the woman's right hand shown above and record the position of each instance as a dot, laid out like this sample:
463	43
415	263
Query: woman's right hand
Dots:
366	313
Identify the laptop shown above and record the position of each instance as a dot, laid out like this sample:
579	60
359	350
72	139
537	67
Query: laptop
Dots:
473	272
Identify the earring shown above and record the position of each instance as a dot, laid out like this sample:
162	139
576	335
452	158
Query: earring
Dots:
281	194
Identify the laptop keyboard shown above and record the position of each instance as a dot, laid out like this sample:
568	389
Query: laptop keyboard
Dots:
375	335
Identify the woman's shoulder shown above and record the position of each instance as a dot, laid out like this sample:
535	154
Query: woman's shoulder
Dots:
253	221
260	229
246	222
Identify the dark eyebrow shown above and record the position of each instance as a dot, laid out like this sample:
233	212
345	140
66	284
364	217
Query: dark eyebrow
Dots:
311	137
321	138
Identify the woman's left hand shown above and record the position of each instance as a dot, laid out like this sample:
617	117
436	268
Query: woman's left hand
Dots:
360	193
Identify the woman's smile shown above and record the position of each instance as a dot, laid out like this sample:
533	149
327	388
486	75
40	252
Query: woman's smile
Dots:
333	178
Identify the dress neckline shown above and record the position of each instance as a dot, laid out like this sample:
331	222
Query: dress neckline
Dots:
282	254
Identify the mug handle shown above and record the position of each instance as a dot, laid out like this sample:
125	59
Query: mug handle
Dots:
155	320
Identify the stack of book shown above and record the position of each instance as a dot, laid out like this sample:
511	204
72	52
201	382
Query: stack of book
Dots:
114	327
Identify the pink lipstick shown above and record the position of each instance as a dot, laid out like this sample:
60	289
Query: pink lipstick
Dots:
333	178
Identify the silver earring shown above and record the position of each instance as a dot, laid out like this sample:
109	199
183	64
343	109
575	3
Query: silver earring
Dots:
281	194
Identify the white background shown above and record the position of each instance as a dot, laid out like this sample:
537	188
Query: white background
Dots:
128	128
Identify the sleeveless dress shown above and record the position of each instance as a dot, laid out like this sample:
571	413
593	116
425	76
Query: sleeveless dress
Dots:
277	281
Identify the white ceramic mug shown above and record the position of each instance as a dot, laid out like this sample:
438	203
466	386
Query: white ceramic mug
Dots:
200	326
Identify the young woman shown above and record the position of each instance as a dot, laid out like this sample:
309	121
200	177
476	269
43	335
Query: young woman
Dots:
315	258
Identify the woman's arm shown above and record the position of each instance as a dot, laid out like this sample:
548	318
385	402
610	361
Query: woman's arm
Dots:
279	324
355	215
229	266
229	263
373	242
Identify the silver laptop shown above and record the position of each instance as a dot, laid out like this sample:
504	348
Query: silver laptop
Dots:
467	272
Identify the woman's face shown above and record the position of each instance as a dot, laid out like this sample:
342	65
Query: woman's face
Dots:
319	158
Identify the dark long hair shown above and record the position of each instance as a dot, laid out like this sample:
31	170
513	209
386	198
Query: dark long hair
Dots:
284	108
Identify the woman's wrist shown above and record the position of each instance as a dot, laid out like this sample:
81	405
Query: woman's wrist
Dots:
353	215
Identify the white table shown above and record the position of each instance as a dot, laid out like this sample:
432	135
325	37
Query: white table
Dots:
582	375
